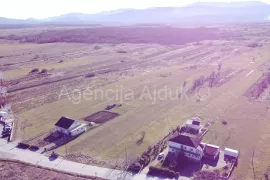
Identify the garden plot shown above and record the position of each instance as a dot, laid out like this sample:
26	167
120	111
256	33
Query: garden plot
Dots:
101	117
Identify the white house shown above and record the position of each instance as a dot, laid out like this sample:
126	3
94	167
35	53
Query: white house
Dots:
70	127
188	145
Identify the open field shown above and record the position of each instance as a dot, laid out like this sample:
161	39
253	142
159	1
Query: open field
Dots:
146	76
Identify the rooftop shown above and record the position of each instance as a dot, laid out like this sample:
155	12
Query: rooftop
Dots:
64	122
211	150
186	140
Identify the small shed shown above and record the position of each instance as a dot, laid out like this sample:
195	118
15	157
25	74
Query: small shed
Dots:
211	151
231	153
193	124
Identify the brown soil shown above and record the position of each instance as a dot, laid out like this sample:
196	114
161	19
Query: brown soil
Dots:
101	117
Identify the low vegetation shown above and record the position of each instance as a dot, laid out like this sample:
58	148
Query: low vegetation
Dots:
121	51
43	71
254	45
162	172
90	75
35	70
11	170
207	175
115	35
257	90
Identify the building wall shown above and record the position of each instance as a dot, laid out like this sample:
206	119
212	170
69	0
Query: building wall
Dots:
62	130
74	125
78	131
188	151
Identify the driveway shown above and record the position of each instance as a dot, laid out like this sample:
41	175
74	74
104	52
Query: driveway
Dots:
155	162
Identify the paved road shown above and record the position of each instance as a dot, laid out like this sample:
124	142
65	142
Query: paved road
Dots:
9	151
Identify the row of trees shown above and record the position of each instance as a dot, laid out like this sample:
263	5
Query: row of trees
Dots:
212	80
261	86
152	151
163	172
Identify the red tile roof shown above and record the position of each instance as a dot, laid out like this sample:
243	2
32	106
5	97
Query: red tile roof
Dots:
210	150
186	140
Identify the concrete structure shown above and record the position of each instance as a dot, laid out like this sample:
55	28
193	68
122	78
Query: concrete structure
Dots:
231	153
189	146
70	127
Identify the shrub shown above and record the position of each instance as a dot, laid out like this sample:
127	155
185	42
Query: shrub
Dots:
145	160
61	61
207	175
90	75
253	45
136	167
35	70
154	171
97	47
35	57
43	71
121	51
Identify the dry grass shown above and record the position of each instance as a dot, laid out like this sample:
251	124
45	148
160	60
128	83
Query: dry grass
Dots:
14	170
154	66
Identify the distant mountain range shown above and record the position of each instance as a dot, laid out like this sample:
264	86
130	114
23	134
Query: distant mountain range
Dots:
198	13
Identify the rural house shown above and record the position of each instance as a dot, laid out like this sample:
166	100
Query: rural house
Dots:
70	127
191	147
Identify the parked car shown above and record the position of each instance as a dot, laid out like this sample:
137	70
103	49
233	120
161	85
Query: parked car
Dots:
7	128
161	156
53	156
110	106
5	134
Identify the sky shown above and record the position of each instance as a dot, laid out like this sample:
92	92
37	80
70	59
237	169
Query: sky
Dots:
23	9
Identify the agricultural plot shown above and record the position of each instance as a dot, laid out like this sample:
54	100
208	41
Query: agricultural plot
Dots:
151	79
101	117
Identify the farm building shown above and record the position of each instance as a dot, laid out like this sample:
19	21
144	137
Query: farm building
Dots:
211	151
189	146
70	127
193	124
231	153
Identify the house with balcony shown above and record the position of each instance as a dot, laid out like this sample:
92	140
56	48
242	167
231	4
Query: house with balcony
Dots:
189	146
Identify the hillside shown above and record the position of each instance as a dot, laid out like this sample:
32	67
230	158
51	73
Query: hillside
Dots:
198	13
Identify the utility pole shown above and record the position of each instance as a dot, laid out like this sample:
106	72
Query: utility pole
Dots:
66	149
253	165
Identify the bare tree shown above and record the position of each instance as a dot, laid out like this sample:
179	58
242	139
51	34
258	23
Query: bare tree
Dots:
219	66
184	84
252	162
140	141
